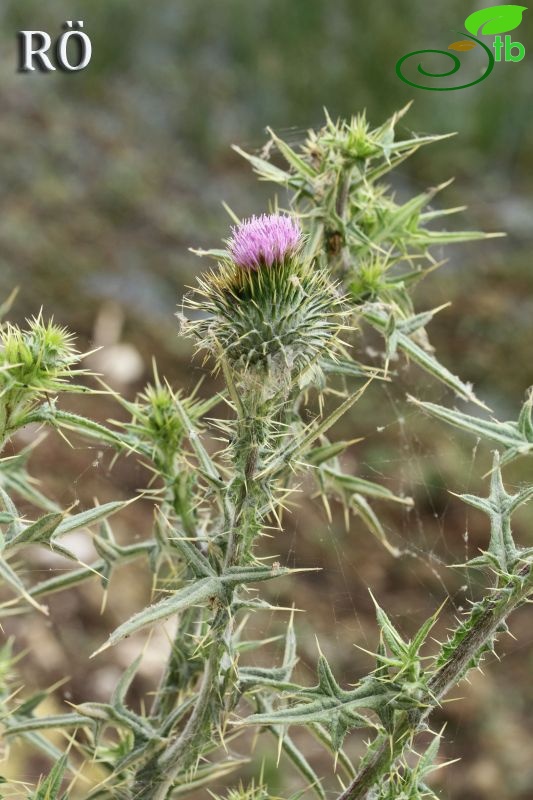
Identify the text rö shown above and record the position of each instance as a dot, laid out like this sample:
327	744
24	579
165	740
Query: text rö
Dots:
71	52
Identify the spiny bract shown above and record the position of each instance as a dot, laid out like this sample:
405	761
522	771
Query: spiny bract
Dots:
278	319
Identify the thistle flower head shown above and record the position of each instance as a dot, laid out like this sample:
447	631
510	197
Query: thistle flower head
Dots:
267	310
265	240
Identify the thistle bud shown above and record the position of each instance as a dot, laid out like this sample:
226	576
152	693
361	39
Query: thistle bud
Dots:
39	358
34	362
270	312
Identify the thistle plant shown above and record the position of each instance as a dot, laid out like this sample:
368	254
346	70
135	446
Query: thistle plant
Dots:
278	319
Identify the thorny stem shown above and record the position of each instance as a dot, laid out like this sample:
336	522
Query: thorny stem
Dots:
170	685
155	779
388	748
168	690
338	252
343	194
5	432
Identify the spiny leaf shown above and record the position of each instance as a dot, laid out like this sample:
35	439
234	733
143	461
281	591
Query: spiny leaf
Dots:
67	579
119	694
206	462
317	711
190	552
314	431
426	360
503	433
16	525
205	775
255	574
40	531
12	579
360	506
14	477
391	636
352	369
499	506
322	735
525	421
92	515
78	424
355	485
60	721
199	593
327	702
423	632
326	680
51	787
268	172
426	763
327	452
293	159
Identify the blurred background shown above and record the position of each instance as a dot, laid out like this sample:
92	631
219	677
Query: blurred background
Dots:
108	176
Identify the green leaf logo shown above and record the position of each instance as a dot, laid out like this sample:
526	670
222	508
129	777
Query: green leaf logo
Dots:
496	19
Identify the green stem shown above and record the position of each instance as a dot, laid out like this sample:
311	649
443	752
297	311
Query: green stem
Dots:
338	254
155	779
176	676
388	748
180	504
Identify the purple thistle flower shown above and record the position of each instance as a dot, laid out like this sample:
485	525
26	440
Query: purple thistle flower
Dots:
265	240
